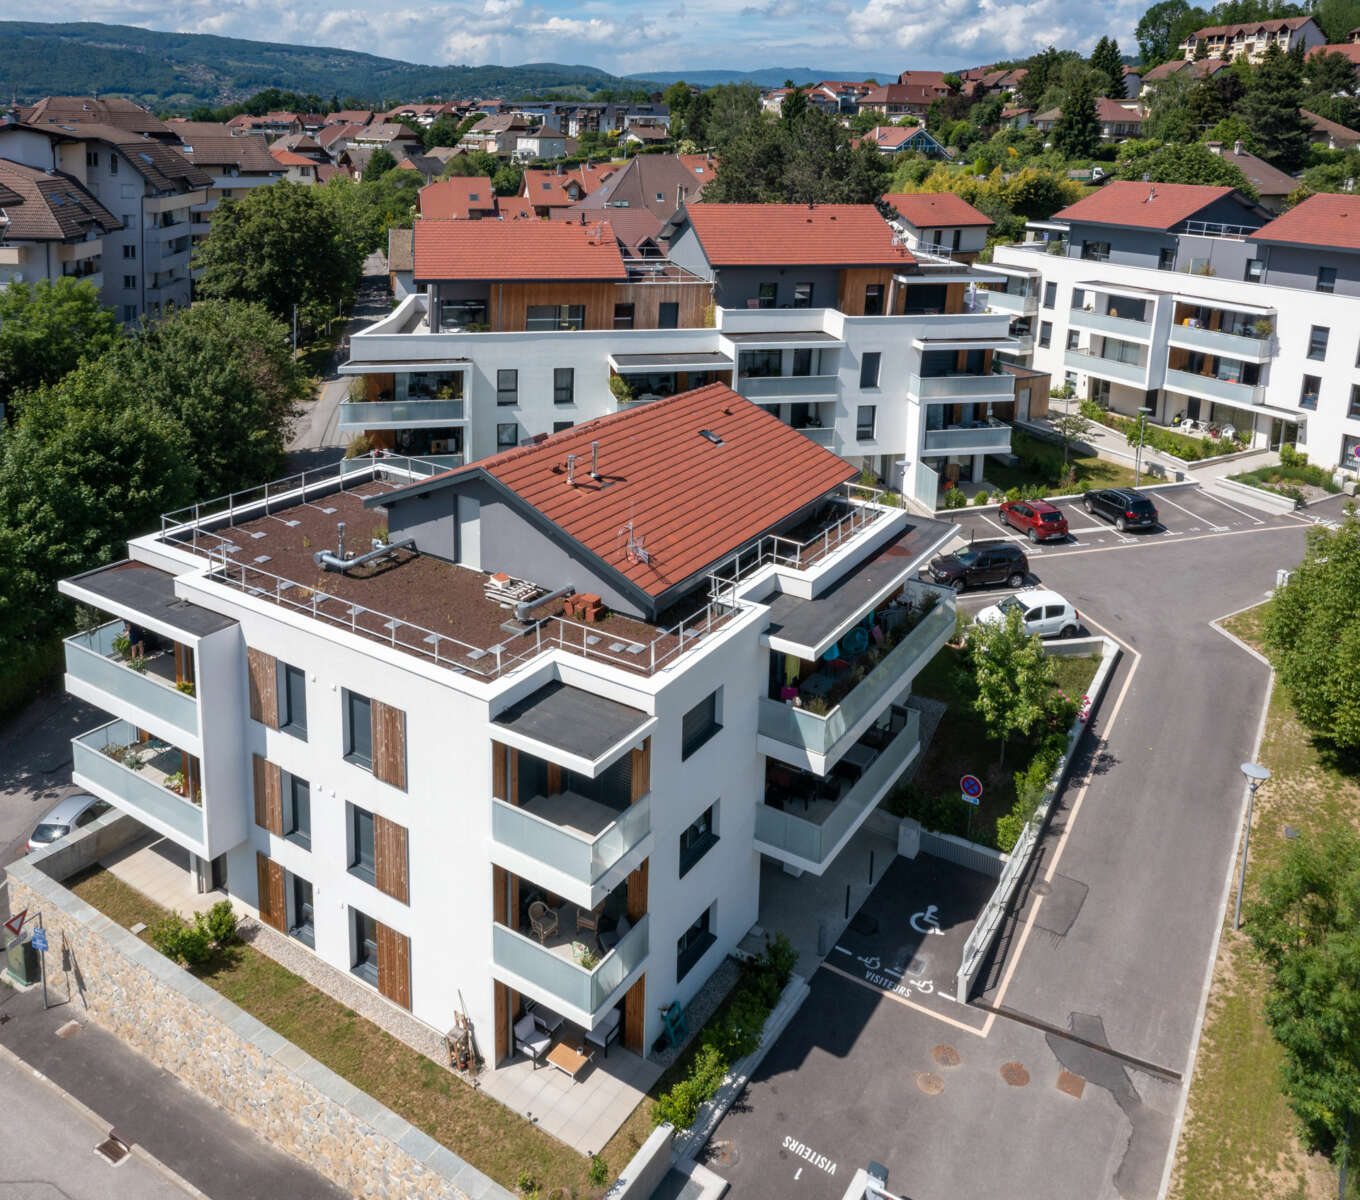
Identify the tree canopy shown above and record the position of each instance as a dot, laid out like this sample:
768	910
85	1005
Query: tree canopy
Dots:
1077	131
1181	162
1271	108
1014	676
1106	59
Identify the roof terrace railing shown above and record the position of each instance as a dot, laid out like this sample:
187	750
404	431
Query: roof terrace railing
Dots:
1217	229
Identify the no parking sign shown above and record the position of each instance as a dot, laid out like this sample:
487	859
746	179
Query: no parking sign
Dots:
970	789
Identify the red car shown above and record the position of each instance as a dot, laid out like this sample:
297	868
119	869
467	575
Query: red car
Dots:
1036	518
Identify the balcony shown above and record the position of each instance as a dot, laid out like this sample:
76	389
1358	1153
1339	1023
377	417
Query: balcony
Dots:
1120	327
557	980
396	414
1105	368
961	387
1243	347
569	840
137	777
1208	387
811	837
761	388
823	435
803	737
1017	304
981	437
97	672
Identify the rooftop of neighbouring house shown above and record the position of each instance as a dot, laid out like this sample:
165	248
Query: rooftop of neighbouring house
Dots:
1326	219
929	209
518	250
757	235
457	197
1137	205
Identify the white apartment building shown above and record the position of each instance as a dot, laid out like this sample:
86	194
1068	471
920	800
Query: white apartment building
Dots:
149	187
51	227
821	315
520	732
234	162
1251	39
1191	301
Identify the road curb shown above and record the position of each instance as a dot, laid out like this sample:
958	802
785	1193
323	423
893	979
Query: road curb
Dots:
93	1118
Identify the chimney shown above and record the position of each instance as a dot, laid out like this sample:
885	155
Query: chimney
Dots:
571	470
1237	147
595	460
340	539
1216	147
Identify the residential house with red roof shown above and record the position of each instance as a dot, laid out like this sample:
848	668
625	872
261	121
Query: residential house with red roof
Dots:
939	223
892	140
1251	39
1119	120
51	226
896	100
561	186
236	163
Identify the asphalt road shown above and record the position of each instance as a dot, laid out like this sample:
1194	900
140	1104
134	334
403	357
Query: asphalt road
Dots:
1099	977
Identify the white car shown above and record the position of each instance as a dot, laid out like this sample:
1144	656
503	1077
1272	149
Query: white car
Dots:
75	812
1043	612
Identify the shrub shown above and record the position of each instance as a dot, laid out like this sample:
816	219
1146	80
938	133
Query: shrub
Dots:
680	1105
943	814
598	1175
1013	494
622	390
982	497
1290	457
220	923
359	444
174	937
527	1182
954	498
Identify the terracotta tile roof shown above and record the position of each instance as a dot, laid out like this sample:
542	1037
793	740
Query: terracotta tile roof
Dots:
299	143
659	183
925	209
247	152
120	114
328	171
1115	111
1330	219
328	135
456	197
159	163
678	489
1137	205
49	207
514	208
1271	25
701	166
931	79
901	93
1334	131
736	235
350	116
290	158
1267	180
1349	50
1202	68
516	250
551	189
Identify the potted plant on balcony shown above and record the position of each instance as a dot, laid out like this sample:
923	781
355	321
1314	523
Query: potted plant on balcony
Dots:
186	686
1263	328
122	645
175	783
138	664
624	392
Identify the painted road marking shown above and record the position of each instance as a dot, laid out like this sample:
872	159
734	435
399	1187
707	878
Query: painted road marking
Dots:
1240	511
809	1155
926	922
893	995
1197	516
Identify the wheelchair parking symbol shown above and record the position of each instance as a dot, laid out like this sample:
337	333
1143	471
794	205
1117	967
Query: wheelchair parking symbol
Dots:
926	922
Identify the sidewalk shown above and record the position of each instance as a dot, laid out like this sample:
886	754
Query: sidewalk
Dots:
196	1140
1110	443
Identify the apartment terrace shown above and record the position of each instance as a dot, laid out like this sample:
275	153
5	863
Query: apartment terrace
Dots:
262	542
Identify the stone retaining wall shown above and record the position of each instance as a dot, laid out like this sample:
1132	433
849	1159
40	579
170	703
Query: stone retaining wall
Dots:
202	1038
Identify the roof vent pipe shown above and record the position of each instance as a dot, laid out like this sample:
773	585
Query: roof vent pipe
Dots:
525	607
571	470
594	460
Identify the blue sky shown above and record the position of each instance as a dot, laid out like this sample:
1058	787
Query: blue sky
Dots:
627	37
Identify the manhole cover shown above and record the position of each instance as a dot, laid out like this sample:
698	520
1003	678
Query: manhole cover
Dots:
917	966
725	1154
112	1149
1041	888
1015	1074
929	1083
70	1029
946	1056
1073	1085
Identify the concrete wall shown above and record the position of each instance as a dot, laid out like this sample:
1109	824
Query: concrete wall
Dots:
647	1168
200	1037
1297	267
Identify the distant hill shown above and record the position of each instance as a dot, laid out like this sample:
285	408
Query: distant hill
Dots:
767	76
180	70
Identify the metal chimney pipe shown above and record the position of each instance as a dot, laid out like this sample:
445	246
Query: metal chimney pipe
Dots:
340	545
571	469
594	460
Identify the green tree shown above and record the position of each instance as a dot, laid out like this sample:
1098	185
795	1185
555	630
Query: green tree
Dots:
1071	426
476	162
281	246
1312	628
1341	174
508	180
1337	18
379	163
442	131
732	108
1106	59
1306	926
1271	108
794	106
1042	70
1077	132
1186	162
1014	677
1168	117
46	328
1330	88
1163	27
1215	98
678	99
865	120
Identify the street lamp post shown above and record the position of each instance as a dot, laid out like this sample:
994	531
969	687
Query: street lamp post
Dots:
1138	458
1255	775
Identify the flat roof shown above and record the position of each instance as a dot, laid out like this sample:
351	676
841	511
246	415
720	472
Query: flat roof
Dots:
644	362
354	367
574	722
137	588
1118	289
808	627
810	337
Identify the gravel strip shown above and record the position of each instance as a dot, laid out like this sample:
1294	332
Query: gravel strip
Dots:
703	1006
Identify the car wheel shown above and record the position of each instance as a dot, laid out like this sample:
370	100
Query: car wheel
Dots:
1033	536
1015	580
1068	631
1120	524
958	584
1086	504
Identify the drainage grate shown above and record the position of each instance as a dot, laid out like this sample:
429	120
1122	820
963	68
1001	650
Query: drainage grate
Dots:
112	1149
1015	1074
946	1056
1073	1085
724	1154
929	1082
917	966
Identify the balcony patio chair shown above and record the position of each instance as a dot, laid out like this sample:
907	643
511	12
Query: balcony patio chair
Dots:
542	920
589	919
531	1041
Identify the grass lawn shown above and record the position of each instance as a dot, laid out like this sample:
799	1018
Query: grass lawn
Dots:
1239	1137
1041	463
961	744
470	1123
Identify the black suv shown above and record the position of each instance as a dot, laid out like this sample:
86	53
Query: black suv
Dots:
1125	507
981	562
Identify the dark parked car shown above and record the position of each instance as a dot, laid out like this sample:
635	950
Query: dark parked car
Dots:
981	562
1037	518
1125	507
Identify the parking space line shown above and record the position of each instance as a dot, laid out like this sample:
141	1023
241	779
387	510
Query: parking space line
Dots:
1189	512
1206	496
921	1008
1009	534
1145	544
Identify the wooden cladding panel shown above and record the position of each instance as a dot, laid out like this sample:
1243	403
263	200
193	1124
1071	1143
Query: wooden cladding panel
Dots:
509	305
269	879
394	965
389	744
263	671
691	299
391	872
554	779
512	781
954	297
500	892
853	282
642	771
498	772
635	1015
637	892
503	1022
268	795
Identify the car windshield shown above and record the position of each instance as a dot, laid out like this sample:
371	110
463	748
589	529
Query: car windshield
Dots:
967	557
50	833
1011	604
1050	518
1141	505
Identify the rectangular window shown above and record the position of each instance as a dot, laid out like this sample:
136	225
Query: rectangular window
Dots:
1317	342
668	315
358	730
550	317
365	947
559	426
691	945
1045	333
1050	294
760	364
1308	394
1166	259
303	914
1255	268
1073	338
873	300
92	158
129	312
297	811
802	362
361	858
130	283
113	164
865	417
958	240
1095	251
766	294
293	700
623	316
699	724
1326	279
698	840
802	295
1354	411
868	369
460	314
564	385
129	250
507	435
507	386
